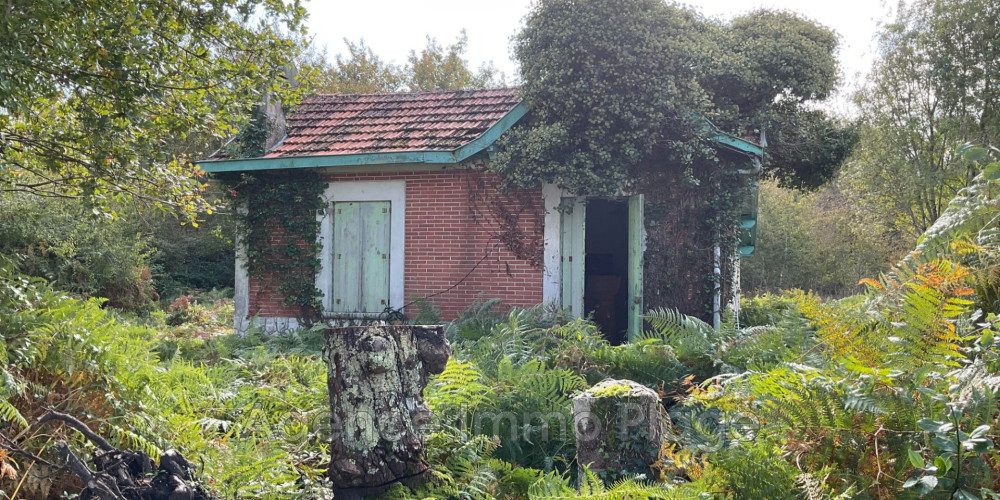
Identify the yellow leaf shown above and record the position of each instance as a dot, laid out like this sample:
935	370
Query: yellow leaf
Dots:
872	283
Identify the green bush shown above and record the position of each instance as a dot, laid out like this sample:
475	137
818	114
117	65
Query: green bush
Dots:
187	259
64	243
766	309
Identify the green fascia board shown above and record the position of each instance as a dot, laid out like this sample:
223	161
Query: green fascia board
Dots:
725	139
486	139
459	155
289	162
738	144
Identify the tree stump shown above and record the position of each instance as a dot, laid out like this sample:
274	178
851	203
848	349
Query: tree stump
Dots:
376	376
619	427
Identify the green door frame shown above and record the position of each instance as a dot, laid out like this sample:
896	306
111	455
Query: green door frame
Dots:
572	253
636	250
572	249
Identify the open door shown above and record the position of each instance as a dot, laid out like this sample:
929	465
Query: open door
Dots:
636	249
601	267
572	268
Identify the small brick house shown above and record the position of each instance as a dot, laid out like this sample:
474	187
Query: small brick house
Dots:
412	213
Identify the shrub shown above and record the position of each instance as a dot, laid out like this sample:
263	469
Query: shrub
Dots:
64	243
187	258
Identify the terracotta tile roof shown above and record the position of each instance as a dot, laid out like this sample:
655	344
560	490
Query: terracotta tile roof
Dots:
332	124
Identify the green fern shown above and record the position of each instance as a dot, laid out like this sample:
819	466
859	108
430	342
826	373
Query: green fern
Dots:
10	413
556	487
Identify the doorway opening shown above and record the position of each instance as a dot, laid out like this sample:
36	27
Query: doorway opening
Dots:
606	280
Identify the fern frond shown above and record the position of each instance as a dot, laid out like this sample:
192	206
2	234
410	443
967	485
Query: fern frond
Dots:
134	441
667	323
971	210
556	487
9	413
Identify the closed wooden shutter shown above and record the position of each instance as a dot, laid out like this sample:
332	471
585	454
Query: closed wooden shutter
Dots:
361	256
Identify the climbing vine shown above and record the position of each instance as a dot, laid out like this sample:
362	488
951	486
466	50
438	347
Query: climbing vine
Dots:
251	140
513	215
277	223
688	212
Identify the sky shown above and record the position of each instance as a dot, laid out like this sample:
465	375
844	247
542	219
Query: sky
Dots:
392	28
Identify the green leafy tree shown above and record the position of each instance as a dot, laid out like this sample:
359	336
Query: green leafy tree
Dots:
443	68
608	84
435	67
615	85
772	66
93	94
359	71
933	88
813	241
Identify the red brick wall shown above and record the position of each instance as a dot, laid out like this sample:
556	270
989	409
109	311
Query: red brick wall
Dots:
450	227
265	298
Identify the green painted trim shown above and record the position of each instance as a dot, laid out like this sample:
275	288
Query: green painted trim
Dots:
636	264
739	144
426	157
722	138
487	138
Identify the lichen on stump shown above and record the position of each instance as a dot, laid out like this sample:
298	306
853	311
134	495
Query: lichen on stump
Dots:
376	376
619	427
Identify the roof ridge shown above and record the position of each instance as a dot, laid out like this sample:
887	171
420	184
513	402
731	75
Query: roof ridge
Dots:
422	92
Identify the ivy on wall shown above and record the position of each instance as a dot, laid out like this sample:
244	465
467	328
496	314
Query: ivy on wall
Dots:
688	212
276	220
278	225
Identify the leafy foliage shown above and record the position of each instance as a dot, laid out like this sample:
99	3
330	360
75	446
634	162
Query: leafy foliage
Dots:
607	83
64	243
93	91
614	87
815	241
434	67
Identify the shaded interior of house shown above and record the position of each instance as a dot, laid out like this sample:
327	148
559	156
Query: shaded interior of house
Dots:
605	293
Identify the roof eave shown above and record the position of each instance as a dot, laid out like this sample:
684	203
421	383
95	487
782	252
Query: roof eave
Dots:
739	145
466	151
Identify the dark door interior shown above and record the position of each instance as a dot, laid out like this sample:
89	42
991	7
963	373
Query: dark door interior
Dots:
605	293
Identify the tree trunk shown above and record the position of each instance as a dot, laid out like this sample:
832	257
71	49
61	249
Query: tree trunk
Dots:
376	376
620	427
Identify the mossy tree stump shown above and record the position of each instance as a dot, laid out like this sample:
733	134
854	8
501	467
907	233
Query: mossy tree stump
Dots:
619	427
376	376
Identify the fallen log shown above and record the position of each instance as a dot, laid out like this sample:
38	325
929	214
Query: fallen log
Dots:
125	474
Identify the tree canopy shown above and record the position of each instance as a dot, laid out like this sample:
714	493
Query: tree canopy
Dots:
96	96
435	67
932	89
610	83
